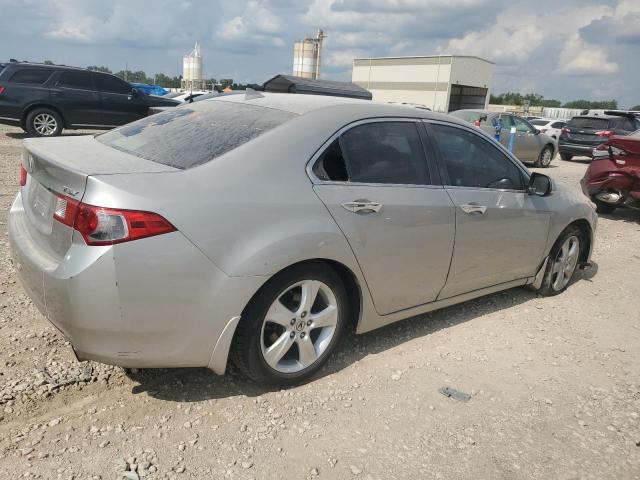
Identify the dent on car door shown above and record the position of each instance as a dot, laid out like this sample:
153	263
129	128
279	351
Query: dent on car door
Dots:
377	185
501	232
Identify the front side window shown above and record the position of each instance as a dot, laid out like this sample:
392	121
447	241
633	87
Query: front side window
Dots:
472	161
110	84
522	126
81	80
377	152
33	76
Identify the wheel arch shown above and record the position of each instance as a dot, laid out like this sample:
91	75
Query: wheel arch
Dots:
222	349
585	229
31	108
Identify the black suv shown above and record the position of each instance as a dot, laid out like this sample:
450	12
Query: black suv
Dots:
44	99
584	133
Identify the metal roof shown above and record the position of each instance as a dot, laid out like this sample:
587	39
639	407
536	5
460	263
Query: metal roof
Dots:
425	56
292	84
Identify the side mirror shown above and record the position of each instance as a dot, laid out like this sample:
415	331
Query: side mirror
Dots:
134	92
536	131
539	185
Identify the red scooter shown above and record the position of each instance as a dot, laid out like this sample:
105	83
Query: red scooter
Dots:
613	177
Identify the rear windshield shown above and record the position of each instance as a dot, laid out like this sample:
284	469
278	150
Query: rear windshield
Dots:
588	122
467	116
538	122
190	135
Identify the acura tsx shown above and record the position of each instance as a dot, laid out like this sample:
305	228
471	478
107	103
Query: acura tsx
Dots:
258	227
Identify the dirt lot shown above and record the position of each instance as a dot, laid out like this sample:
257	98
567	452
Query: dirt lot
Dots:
555	385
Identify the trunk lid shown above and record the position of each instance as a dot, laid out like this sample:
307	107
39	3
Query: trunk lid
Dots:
61	166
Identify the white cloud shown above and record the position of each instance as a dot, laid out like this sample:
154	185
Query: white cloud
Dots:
580	58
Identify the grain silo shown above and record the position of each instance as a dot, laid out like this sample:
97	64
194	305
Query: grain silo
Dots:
307	56
192	78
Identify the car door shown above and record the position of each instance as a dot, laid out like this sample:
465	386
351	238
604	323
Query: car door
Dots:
74	94
119	105
501	231
383	193
527	145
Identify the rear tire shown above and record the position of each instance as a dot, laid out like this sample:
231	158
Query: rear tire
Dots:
604	208
43	122
566	156
563	262
281	339
545	157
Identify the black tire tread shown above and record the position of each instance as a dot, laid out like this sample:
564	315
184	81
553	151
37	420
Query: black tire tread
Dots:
29	121
546	289
244	353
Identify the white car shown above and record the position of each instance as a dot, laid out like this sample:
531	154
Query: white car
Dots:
549	126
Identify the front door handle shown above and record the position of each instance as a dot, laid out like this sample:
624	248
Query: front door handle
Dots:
362	206
473	209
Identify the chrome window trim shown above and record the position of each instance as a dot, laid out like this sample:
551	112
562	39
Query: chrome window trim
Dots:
314	158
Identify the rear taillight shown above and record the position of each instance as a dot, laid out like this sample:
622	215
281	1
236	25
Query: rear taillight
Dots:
1	89
107	226
604	133
565	130
23	176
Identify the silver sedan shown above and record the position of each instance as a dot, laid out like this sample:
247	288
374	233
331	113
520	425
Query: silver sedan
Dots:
258	227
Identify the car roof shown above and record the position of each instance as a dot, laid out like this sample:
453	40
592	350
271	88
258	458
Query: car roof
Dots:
42	65
302	104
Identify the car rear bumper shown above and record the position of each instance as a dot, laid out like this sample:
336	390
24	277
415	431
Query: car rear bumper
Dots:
154	302
575	149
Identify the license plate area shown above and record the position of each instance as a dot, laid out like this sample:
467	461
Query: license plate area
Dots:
40	205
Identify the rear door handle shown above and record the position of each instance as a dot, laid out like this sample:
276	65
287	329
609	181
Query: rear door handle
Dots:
473	209
364	206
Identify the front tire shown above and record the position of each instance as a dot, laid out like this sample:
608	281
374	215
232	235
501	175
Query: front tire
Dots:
292	325
44	122
545	157
563	262
566	156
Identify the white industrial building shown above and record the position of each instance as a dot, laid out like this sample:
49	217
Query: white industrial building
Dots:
192	77
441	82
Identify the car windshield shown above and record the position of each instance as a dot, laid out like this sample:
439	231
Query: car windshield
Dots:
588	122
538	122
191	135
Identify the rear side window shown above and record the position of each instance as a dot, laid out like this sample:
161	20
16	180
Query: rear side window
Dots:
557	124
109	84
623	123
472	161
589	122
32	76
184	137
379	152
81	80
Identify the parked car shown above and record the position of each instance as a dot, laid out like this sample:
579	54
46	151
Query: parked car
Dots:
45	99
585	132
552	127
259	226
531	117
613	177
530	144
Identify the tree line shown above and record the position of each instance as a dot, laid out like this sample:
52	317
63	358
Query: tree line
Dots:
166	81
536	100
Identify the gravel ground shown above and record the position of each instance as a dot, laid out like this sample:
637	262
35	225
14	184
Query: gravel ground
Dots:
554	384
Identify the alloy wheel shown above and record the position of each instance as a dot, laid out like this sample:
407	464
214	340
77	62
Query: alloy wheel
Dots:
299	326
45	124
565	263
545	157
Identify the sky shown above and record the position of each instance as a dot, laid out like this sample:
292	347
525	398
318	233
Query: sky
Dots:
567	49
